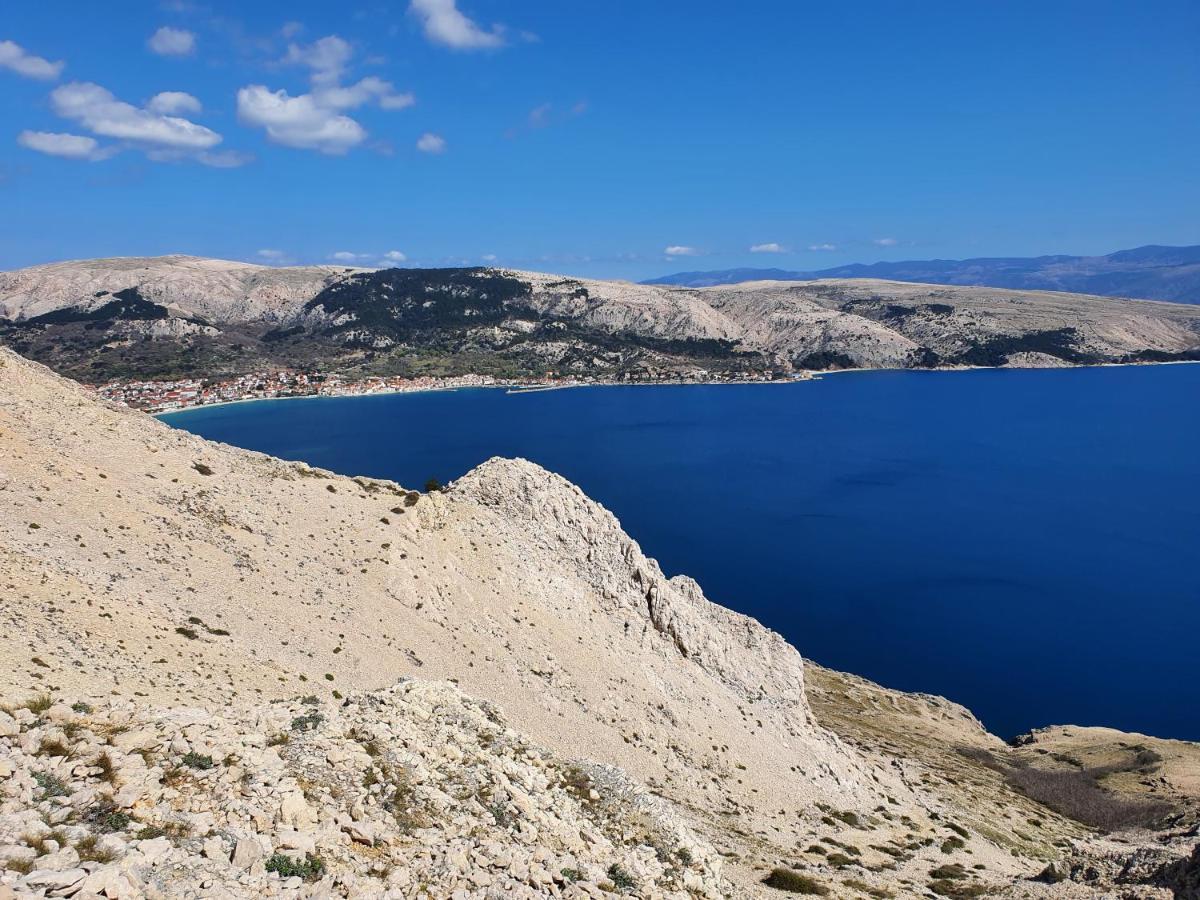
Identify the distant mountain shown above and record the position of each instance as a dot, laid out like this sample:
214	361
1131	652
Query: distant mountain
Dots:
173	316
1147	273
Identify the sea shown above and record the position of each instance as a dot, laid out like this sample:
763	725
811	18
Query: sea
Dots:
1023	542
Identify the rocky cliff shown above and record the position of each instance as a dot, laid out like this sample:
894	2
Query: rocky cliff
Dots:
487	690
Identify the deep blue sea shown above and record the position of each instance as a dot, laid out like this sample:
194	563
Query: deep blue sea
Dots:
1024	542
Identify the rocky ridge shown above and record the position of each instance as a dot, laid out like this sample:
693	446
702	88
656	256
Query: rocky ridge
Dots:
146	569
99	319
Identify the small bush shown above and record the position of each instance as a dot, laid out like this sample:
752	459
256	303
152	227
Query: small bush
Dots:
953	843
189	633
571	875
624	882
82	708
278	739
51	785
432	486
794	882
311	868
307	722
195	760
40	703
202	468
54	747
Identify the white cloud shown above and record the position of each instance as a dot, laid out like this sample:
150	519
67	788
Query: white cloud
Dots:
768	248
274	257
679	250
539	115
327	57
15	58
317	120
173	103
169	41
431	143
394	256
68	146
346	256
364	91
298	121
291	29
225	159
490	257
444	24
822	247
163	138
885	242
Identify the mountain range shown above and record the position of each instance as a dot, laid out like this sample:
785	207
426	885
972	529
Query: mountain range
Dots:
134	318
1149	273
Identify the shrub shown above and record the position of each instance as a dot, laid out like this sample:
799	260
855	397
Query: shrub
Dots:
953	843
432	486
622	879
310	868
51	785
40	703
189	633
571	875
81	708
202	468
54	747
307	722
197	761
278	739
794	882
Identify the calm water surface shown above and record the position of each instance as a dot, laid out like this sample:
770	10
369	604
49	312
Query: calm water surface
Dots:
1024	542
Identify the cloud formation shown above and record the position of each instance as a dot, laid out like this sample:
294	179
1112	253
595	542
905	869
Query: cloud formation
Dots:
169	41
394	256
17	59
274	257
822	247
173	103
444	24
681	250
771	247
68	146
317	120
885	242
431	143
103	114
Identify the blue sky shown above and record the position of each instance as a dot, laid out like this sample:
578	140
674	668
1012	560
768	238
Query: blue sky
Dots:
616	139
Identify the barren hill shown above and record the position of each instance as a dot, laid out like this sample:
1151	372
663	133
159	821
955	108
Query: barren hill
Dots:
191	593
169	316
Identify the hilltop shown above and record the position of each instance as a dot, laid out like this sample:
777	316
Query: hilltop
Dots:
1149	273
471	689
99	320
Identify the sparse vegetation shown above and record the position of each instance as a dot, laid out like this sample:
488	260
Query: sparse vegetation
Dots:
311	868
50	785
784	879
1077	793
307	722
621	879
195	760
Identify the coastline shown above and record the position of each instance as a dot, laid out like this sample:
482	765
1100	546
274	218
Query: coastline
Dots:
540	388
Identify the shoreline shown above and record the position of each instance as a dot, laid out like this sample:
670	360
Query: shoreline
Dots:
516	389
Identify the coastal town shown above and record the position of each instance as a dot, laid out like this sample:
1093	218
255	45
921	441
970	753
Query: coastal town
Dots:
172	396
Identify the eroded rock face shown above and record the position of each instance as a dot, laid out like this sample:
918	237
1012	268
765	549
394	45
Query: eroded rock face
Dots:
415	788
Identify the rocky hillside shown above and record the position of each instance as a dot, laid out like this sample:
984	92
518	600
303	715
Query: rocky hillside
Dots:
227	673
133	318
